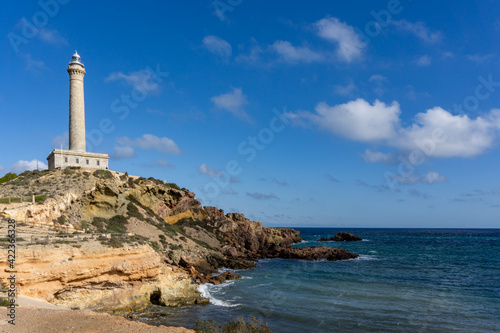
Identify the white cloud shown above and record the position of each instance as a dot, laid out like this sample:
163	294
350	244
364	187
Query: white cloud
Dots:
123	152
378	78
431	177
378	82
418	194
230	192
21	166
232	102
356	120
206	170
142	80
371	156
345	90
331	178
217	46
447	54
262	196
161	163
51	36
32	63
350	45
478	58
293	54
150	141
424	60
420	30
279	182
442	134
60	140
435	132
254	56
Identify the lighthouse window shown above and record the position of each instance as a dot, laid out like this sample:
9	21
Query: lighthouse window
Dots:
65	160
87	161
98	163
77	161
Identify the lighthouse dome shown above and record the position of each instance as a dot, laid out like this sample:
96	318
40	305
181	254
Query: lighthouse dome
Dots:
76	59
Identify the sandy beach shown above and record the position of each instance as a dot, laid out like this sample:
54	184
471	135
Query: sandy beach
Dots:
35	315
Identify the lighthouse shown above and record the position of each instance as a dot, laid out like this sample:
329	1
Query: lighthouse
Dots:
77	154
76	71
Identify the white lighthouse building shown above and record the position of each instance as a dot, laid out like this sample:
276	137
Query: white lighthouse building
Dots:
76	155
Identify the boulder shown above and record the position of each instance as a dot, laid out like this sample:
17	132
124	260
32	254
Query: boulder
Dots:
341	237
313	253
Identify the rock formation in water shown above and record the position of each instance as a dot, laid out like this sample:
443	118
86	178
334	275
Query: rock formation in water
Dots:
341	237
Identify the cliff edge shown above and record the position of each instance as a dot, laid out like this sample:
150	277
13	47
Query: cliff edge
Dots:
108	241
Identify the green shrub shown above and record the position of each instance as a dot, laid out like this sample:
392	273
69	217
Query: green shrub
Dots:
155	245
173	185
133	211
139	180
103	174
67	171
116	242
4	302
7	177
40	198
100	223
117	223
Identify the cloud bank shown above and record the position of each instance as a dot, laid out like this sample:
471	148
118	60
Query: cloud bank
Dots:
436	132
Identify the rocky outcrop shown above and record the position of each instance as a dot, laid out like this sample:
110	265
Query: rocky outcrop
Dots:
97	278
168	241
312	253
341	237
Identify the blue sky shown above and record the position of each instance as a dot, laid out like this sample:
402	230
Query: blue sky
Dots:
382	114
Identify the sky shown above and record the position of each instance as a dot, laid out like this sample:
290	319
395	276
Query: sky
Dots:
313	114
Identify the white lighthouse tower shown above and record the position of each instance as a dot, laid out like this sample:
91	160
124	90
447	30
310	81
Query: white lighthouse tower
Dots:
76	71
76	155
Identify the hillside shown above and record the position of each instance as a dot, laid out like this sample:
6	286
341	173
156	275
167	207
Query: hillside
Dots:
130	241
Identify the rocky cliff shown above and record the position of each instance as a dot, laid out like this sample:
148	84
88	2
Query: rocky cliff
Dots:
130	241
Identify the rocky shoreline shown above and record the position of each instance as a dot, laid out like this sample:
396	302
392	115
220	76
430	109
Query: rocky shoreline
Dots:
131	242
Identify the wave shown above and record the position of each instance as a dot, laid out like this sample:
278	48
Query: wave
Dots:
260	285
366	257
206	291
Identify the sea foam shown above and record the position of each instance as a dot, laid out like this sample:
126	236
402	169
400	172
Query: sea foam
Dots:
207	289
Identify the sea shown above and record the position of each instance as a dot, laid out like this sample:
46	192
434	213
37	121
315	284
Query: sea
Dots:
405	280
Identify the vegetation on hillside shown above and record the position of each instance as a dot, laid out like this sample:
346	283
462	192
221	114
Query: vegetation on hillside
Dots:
7	177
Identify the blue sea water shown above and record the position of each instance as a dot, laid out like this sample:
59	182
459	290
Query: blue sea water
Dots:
406	280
